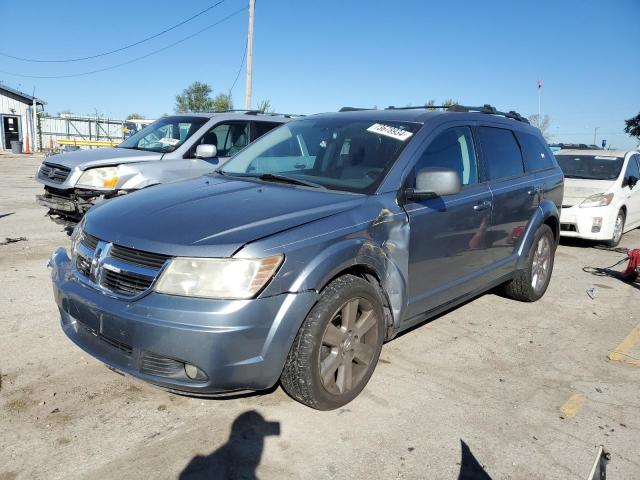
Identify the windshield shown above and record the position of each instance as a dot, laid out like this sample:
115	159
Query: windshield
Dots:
590	167
165	135
334	153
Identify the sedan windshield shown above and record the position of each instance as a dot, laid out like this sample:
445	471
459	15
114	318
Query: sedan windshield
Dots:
165	135
591	167
335	153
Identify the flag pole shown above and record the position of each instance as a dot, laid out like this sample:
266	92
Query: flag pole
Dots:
540	102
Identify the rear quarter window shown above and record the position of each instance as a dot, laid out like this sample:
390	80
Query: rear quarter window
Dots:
501	153
535	154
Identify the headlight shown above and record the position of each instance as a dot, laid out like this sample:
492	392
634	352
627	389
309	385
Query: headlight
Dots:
233	278
104	178
597	200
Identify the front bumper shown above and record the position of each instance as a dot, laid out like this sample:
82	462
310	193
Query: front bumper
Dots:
67	207
239	344
579	222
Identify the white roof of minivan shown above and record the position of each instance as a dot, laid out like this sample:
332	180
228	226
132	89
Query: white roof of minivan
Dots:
593	153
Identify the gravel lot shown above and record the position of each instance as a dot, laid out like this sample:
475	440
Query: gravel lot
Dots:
514	390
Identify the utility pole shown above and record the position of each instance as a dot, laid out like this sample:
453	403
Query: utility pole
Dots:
252	4
34	133
595	132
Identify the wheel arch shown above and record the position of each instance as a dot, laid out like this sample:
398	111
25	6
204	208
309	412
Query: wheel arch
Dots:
546	214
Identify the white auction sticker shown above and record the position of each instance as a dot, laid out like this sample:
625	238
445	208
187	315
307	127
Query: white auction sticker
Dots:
389	131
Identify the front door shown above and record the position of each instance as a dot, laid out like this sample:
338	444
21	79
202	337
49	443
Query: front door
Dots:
228	137
11	130
632	194
447	245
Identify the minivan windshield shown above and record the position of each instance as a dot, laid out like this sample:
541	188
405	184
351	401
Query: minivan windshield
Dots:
591	167
336	153
165	135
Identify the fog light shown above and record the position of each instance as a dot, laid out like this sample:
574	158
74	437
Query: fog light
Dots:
193	372
597	224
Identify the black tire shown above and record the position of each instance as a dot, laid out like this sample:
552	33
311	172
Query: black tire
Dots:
301	377
615	241
521	287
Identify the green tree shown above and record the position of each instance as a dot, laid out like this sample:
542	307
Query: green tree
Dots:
132	116
430	104
195	98
223	102
265	106
65	112
450	102
633	126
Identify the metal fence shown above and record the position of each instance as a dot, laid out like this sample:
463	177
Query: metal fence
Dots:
87	132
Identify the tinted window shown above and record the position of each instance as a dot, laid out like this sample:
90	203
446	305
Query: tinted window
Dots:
536	154
592	167
260	128
632	168
501	153
452	149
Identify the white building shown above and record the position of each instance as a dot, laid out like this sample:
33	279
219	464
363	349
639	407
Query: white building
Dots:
16	117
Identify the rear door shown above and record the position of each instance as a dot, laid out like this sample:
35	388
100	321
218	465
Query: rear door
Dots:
447	248
516	193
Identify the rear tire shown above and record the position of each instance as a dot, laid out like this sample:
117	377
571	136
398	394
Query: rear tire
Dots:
531	283
618	229
336	350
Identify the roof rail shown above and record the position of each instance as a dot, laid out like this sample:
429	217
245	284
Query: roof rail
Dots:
353	109
488	109
259	112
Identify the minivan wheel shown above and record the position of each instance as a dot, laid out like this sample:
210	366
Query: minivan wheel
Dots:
531	283
336	350
618	228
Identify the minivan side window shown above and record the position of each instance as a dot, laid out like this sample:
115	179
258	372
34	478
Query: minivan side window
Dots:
536	155
452	149
501	153
260	128
632	170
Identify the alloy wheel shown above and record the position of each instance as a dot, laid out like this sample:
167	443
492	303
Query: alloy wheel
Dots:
348	346
541	263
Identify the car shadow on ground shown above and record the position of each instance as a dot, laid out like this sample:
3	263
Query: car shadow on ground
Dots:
240	456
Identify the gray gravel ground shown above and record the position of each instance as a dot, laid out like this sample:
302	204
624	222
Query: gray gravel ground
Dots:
478	389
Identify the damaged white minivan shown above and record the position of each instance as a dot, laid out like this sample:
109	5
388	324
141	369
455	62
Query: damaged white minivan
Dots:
601	194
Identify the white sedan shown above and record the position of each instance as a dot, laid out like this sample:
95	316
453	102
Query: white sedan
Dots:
601	194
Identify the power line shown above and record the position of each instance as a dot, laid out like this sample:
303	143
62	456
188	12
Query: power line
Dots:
244	55
65	60
135	59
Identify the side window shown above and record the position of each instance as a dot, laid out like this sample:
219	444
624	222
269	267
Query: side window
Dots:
632	168
229	138
536	155
260	128
501	153
452	149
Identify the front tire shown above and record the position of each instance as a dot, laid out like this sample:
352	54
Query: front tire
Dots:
531	283
337	348
618	229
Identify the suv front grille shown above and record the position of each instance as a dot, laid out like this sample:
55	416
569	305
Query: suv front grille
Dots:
53	173
123	271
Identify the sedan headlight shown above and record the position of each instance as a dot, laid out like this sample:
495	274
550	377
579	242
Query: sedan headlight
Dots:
104	178
233	278
597	200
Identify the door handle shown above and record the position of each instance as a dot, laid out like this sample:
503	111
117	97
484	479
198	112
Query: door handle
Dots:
484	205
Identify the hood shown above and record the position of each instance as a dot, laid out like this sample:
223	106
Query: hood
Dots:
101	156
577	189
210	216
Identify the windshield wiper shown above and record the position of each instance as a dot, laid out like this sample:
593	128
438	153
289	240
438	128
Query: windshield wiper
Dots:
283	178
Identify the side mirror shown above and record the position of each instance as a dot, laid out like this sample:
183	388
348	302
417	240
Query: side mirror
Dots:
435	182
632	181
206	151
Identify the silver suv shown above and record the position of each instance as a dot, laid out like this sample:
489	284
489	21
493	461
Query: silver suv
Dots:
173	148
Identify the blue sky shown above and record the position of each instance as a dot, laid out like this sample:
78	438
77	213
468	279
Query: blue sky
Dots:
314	56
